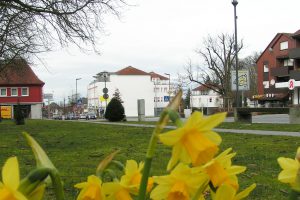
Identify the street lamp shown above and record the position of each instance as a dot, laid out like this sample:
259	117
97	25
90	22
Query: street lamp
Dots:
169	86
235	3
77	79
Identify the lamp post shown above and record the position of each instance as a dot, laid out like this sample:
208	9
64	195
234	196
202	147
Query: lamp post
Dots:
77	79
169	86
235	3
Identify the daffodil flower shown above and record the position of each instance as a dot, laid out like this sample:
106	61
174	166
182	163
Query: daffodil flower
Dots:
229	193
90	190
11	181
291	168
116	191
220	170
132	177
181	184
195	142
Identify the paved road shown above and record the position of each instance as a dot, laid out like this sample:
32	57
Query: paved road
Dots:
272	118
236	131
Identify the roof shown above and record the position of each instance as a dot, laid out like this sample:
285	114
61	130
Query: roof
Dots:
131	71
274	41
204	87
201	88
155	75
18	72
296	34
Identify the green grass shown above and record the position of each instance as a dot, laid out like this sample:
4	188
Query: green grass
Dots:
76	149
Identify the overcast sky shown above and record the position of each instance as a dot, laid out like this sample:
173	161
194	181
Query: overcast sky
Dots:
162	35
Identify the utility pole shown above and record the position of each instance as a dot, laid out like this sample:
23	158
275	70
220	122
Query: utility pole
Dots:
235	3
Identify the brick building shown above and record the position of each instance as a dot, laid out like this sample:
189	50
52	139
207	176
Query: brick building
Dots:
19	84
278	71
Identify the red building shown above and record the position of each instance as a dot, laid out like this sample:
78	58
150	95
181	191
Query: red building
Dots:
278	71
19	84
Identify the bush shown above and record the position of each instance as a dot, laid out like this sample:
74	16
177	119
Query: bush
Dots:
18	115
114	111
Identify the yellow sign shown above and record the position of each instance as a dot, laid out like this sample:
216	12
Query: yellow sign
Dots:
102	99
6	112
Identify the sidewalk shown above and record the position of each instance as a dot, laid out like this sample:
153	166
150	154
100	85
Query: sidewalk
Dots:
236	131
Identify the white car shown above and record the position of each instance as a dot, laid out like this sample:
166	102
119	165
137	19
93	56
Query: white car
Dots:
82	116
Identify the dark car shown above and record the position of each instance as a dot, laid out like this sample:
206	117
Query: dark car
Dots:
91	116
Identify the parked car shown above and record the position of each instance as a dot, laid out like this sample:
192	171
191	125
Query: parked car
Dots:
71	117
82	116
59	117
91	116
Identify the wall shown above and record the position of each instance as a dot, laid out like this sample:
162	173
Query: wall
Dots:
36	111
35	95
131	88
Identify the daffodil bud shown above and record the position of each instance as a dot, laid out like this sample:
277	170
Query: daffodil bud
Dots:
33	180
175	118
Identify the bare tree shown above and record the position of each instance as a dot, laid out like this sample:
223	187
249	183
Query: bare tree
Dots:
28	27
218	57
249	63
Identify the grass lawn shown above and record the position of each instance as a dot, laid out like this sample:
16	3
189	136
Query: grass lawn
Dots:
76	149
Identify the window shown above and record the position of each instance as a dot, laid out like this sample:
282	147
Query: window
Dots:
288	62
14	92
25	91
284	45
266	68
3	92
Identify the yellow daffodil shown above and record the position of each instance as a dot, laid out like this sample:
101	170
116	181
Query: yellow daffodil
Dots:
11	181
90	190
195	142
181	184
291	168
229	193
220	170
115	191
133	176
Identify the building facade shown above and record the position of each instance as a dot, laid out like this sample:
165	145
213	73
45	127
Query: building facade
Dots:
205	98
20	85
278	71
162	92
131	83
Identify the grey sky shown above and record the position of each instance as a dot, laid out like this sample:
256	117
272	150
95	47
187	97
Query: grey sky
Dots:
162	35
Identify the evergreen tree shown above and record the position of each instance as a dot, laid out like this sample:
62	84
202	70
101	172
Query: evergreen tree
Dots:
114	111
187	100
117	95
18	115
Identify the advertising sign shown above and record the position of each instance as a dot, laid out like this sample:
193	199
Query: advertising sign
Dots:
243	80
6	112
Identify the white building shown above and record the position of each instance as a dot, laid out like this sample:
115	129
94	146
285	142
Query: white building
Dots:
162	90
132	83
203	97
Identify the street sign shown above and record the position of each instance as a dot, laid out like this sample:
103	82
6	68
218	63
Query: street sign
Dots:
48	96
243	80
166	98
291	84
105	96
105	90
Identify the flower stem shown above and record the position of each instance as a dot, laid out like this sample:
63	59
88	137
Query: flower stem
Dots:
150	153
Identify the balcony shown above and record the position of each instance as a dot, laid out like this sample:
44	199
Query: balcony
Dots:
295	74
280	71
294	53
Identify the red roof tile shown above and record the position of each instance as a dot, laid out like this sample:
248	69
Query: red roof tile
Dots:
18	72
131	71
155	75
204	87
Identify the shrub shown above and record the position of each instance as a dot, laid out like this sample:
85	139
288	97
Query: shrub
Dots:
114	111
